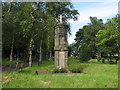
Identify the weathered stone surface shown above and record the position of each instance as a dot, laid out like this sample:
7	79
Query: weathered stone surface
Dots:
61	50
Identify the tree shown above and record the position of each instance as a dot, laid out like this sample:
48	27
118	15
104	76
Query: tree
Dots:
86	39
32	27
108	38
11	28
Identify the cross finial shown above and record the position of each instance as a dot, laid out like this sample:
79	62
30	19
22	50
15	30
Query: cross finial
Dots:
61	18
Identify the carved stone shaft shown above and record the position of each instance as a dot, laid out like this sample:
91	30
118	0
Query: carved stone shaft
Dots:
61	50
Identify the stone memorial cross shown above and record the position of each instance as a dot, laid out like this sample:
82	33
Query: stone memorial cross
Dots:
61	50
61	17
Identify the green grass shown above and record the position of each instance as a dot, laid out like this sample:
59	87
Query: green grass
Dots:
106	61
14	61
98	76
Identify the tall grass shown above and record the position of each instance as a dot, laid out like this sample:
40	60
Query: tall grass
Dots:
98	76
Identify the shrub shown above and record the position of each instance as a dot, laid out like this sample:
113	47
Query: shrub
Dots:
111	62
59	70
99	58
77	70
92	61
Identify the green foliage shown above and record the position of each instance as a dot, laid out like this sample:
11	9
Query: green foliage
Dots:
86	40
30	26
97	39
107	38
59	70
93	61
7	62
99	58
77	70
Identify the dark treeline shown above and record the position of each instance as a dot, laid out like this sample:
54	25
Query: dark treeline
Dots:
28	29
97	40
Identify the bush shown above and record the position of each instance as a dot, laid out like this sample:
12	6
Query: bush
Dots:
77	70
99	58
111	62
59	70
92	61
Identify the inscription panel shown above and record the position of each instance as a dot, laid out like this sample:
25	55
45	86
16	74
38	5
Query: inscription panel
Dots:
61	59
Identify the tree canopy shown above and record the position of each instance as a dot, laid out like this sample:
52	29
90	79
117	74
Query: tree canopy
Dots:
97	39
28	28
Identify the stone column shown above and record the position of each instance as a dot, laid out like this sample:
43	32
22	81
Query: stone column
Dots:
61	50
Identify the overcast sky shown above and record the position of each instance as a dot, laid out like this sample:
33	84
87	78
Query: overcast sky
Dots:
102	10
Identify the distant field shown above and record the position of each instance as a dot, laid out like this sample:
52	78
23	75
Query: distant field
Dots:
98	76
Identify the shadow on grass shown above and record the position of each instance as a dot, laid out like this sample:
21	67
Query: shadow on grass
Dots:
8	69
78	67
25	71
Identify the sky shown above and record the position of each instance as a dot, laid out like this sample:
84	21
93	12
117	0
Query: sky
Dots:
100	9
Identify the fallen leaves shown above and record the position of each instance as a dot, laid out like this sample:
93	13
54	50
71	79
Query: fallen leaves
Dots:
46	82
6	79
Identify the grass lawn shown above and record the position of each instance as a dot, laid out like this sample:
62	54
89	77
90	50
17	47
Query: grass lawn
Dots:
98	76
7	62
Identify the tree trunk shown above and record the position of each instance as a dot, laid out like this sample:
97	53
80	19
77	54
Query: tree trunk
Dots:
50	57
99	57
110	57
103	60
30	52
40	53
17	61
32	35
11	51
118	50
